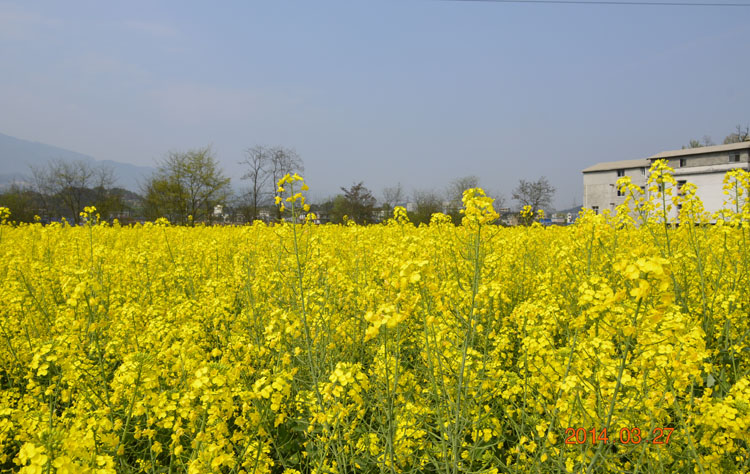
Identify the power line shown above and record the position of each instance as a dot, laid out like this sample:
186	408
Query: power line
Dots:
611	2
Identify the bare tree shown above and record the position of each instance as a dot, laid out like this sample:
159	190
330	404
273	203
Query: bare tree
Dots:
455	193
499	202
739	135
393	196
282	161
257	162
74	184
457	187
42	184
537	194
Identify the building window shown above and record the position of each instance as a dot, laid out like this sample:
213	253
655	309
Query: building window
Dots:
620	173
595	209
680	184
643	171
734	158
620	192
683	162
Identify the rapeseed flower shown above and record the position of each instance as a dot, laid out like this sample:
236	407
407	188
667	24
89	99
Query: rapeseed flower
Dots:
397	348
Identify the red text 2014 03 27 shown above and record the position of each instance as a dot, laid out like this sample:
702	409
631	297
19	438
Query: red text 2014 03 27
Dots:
625	436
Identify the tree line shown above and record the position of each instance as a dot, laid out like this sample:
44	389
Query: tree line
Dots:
190	187
739	135
64	188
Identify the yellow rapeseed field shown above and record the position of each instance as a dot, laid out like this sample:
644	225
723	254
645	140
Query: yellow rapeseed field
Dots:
620	343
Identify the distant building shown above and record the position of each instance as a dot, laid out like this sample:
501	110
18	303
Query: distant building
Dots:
599	182
264	215
568	215
508	216
704	166
561	219
382	215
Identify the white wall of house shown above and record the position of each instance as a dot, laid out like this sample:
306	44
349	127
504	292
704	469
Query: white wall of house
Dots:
600	187
710	183
704	167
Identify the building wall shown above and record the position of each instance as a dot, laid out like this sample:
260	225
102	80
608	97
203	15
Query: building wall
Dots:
709	159
710	182
706	171
600	188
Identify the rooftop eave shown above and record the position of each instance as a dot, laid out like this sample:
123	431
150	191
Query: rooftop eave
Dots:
618	165
701	150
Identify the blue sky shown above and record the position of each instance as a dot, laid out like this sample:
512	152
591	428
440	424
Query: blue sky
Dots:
410	91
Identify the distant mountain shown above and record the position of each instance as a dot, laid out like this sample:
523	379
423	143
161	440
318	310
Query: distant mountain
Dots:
17	155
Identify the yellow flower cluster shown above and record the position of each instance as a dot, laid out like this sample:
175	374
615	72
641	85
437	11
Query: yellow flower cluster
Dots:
478	208
4	214
89	215
390	348
400	215
293	197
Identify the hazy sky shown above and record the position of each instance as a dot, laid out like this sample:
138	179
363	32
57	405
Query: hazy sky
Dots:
416	91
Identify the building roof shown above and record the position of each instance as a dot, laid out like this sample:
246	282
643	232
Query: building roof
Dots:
700	150
619	165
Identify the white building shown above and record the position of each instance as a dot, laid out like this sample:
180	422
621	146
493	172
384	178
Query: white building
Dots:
599	182
705	167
